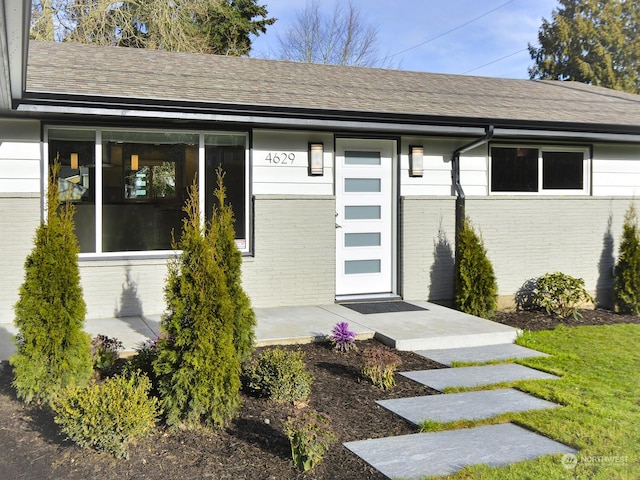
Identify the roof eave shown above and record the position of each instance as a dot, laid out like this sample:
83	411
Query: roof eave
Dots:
288	117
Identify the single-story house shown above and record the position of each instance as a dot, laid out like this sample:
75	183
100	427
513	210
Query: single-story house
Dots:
346	182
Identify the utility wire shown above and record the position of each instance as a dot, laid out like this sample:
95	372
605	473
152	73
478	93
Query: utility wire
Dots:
449	31
495	61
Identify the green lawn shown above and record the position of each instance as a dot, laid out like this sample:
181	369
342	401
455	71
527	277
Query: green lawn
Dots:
600	394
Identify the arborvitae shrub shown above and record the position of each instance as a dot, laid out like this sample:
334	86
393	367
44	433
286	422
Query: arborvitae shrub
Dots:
107	416
280	375
231	262
476	286
52	348
626	286
198	368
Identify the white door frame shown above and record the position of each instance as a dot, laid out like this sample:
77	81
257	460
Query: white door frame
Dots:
366	218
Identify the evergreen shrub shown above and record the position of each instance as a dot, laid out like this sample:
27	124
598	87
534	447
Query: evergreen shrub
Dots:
626	286
198	364
109	415
223	236
560	294
52	349
475	281
280	375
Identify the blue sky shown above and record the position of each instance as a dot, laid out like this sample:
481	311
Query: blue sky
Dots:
403	26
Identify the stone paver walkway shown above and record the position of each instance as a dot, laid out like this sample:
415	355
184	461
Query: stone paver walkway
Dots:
477	405
469	377
445	452
486	353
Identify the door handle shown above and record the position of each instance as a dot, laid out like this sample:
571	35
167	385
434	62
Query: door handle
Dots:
338	226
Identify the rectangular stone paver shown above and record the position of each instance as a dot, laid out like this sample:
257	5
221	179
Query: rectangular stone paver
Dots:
476	376
442	453
480	354
464	406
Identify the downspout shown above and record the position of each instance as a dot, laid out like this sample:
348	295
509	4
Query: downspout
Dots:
455	174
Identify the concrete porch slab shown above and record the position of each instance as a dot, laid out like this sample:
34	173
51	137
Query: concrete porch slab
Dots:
452	407
444	453
437	327
289	325
481	354
468	377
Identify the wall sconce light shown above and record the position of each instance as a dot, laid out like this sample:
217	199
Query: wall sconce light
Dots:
74	161
134	162
316	158
416	153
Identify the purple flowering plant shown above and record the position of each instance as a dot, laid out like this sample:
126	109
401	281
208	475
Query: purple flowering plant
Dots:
343	339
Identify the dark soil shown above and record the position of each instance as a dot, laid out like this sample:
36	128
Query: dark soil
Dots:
253	446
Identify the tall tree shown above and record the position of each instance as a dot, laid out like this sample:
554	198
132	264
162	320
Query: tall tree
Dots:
340	38
204	26
590	41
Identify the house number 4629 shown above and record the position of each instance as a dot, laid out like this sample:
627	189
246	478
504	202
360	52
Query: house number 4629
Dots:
280	158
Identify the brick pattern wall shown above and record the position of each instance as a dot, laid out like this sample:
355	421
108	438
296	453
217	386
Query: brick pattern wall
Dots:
19	218
294	255
427	226
123	288
525	237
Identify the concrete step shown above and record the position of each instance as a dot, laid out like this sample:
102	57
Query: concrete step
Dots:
468	377
444	453
480	354
477	405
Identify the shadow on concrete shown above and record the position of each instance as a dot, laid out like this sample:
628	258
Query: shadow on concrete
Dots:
441	285
604	285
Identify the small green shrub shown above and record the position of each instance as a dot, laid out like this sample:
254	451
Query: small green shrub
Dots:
280	375
475	280
560	294
104	353
107	416
380	366
310	437
626	284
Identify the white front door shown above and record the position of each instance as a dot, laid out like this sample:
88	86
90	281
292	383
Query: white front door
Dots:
365	212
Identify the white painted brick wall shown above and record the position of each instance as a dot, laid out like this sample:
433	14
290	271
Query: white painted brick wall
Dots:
525	237
294	258
427	246
19	218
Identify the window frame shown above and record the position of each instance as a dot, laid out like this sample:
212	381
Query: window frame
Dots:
586	169
244	245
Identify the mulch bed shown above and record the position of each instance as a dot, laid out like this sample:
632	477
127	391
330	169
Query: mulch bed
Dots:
253	446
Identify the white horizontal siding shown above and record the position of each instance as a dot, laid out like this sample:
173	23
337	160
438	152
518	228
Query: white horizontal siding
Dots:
19	156
292	177
616	170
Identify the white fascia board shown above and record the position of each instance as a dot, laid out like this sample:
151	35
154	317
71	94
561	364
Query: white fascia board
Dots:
14	41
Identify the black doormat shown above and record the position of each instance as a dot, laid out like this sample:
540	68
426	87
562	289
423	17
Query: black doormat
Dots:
382	307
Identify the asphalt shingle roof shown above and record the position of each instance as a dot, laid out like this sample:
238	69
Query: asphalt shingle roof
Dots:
147	75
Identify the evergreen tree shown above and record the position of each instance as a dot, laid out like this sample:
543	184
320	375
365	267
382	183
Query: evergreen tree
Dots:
221	27
590	41
52	348
476	286
223	238
626	286
198	368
